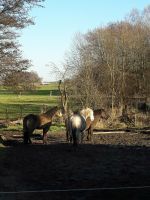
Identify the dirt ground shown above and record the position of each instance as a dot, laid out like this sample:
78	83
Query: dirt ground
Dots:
113	160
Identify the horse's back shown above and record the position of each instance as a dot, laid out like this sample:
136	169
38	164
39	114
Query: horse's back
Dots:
75	121
31	117
78	122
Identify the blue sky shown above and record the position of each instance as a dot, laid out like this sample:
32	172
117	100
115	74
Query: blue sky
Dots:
57	23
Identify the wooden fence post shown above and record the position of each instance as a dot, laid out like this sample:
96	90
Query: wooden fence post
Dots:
7	116
21	112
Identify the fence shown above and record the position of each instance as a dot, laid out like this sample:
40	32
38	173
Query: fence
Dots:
19	111
12	113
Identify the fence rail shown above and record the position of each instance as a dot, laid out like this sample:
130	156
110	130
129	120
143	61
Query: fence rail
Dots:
20	111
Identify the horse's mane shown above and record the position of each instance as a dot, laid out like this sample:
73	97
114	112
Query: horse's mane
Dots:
87	109
87	112
51	111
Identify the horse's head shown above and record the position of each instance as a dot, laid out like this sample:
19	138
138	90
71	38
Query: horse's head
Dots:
102	113
87	112
54	111
58	113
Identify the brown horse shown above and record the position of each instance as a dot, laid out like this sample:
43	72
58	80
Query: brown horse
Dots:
90	125
42	121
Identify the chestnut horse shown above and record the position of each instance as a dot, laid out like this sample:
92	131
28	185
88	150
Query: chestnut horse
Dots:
90	125
42	121
76	125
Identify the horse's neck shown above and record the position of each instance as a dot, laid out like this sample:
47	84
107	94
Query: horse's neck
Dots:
98	112
50	113
83	115
87	113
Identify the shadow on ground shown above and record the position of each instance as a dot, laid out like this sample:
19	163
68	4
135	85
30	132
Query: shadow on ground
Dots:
59	166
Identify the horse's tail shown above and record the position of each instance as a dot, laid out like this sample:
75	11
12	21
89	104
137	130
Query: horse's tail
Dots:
76	135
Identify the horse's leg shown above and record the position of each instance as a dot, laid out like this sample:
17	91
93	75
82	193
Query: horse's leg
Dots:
74	137
88	134
44	137
82	136
25	132
67	135
71	138
79	136
68	131
45	130
29	139
25	137
91	134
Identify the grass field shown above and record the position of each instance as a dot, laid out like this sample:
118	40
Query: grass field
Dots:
13	106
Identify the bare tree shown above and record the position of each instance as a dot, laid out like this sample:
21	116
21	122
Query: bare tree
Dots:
112	62
61	74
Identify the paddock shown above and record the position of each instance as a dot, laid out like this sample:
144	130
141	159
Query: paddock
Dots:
115	165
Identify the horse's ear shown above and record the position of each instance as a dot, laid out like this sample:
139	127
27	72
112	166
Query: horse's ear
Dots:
55	108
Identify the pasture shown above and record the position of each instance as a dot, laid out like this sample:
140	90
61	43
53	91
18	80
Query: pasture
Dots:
13	106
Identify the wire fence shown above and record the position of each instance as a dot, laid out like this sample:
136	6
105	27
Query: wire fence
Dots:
19	111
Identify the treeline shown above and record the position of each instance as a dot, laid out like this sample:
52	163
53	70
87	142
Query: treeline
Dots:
21	81
111	64
14	16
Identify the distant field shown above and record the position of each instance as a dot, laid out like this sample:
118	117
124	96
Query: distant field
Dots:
14	106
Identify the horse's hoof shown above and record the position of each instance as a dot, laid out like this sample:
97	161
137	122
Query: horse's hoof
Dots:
45	143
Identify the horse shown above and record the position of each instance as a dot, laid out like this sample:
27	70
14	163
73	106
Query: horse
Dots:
42	121
90	125
76	125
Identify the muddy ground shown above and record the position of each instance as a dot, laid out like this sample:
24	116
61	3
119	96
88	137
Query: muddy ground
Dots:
113	160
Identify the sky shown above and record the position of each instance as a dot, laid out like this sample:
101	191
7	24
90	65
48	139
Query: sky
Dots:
59	21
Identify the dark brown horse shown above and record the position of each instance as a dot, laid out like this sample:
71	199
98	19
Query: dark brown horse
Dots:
42	121
90	125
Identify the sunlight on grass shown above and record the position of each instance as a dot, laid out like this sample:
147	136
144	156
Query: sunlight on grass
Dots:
16	106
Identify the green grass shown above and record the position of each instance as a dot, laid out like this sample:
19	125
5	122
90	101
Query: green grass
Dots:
54	128
15	106
27	99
